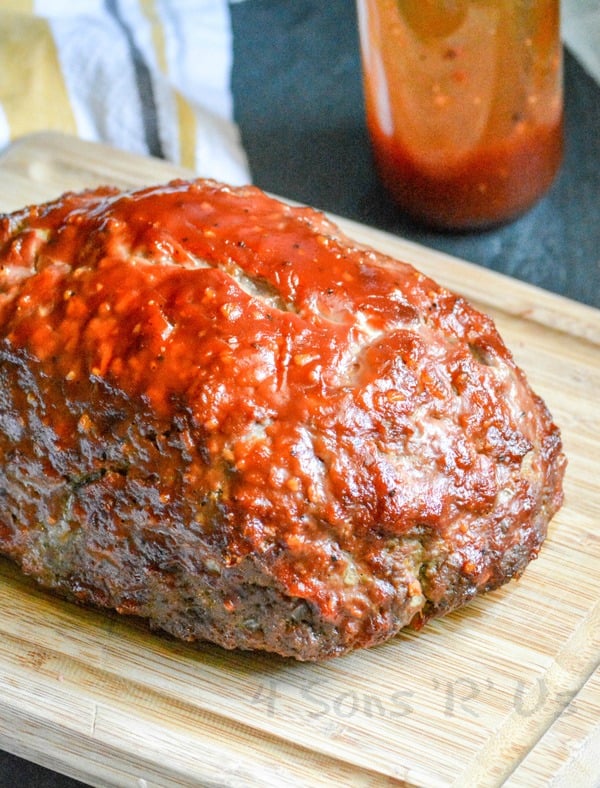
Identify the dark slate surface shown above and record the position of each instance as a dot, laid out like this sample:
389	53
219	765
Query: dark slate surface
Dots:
299	104
298	100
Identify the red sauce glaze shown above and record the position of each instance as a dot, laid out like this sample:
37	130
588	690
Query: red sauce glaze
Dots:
495	183
312	371
464	105
157	272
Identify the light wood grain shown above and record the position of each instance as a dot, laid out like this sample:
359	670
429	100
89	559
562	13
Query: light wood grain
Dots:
569	752
504	691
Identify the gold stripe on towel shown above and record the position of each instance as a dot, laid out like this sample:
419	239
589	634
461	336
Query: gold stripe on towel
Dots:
187	132
186	118
32	90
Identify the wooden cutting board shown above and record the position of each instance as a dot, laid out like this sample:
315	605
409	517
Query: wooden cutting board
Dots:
506	691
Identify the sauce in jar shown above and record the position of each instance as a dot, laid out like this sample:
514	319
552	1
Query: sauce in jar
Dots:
464	105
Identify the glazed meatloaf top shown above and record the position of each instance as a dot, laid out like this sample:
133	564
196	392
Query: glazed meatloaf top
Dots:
221	414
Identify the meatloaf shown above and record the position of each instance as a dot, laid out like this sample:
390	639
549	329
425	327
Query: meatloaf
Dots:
219	413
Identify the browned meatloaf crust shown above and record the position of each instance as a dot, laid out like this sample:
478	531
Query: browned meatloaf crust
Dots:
219	413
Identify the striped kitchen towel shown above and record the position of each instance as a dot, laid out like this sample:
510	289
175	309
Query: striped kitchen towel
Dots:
148	76
581	32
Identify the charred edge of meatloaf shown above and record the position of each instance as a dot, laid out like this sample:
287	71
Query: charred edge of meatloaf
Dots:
448	581
92	522
115	494
107	519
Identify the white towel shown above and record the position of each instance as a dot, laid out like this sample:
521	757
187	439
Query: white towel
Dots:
581	32
148	76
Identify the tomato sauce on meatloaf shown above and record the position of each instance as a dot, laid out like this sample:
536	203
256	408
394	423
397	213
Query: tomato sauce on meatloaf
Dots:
221	414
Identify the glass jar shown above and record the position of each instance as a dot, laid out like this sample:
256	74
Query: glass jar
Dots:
464	105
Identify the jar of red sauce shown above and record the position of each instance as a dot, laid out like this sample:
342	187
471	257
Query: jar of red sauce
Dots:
464	105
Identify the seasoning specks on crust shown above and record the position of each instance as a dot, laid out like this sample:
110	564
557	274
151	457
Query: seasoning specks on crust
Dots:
221	414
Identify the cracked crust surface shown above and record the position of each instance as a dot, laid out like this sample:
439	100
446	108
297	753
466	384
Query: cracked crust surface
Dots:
219	413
